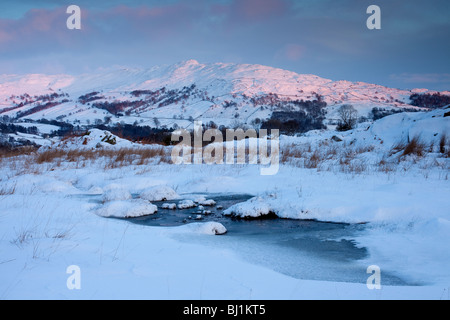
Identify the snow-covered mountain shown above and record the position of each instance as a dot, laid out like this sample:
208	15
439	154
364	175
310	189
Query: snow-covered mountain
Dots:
177	95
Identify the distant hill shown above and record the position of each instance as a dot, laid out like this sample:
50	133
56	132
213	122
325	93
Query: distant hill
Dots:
176	95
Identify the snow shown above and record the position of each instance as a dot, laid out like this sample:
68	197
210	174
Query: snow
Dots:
407	229
428	126
199	198
115	192
54	215
253	208
223	81
170	206
126	209
207	202
94	139
186	204
159	193
208	228
42	128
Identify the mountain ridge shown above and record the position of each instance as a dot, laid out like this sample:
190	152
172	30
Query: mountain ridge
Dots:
189	90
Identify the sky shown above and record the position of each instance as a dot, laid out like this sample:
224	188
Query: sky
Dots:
327	38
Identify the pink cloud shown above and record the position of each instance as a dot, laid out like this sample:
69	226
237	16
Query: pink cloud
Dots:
37	27
41	20
4	36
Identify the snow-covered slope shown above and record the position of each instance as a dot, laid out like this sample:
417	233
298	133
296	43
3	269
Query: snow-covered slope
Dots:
225	93
93	139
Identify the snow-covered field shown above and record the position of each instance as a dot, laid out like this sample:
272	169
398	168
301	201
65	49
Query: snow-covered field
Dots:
50	219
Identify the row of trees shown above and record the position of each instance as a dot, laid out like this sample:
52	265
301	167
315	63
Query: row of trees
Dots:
430	101
293	122
12	128
89	97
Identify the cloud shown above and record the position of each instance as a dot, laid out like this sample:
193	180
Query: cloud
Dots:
325	37
38	30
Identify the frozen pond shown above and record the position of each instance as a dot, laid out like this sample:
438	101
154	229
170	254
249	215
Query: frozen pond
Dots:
302	249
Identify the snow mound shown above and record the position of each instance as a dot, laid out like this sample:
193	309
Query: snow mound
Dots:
253	208
208	202
186	204
127	209
115	192
159	193
209	228
202	201
94	139
169	206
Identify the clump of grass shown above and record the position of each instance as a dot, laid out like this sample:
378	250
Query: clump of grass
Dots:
414	147
444	145
313	160
291	152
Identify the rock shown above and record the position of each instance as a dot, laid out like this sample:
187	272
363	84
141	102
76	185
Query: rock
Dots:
336	138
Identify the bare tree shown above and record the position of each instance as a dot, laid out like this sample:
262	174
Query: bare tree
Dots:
348	116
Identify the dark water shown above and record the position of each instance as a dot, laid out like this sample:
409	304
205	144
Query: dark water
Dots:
302	249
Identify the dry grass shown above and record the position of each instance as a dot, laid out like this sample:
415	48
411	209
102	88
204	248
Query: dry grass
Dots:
5	190
396	148
8	153
326	155
313	160
291	152
114	158
414	147
49	155
444	146
385	166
